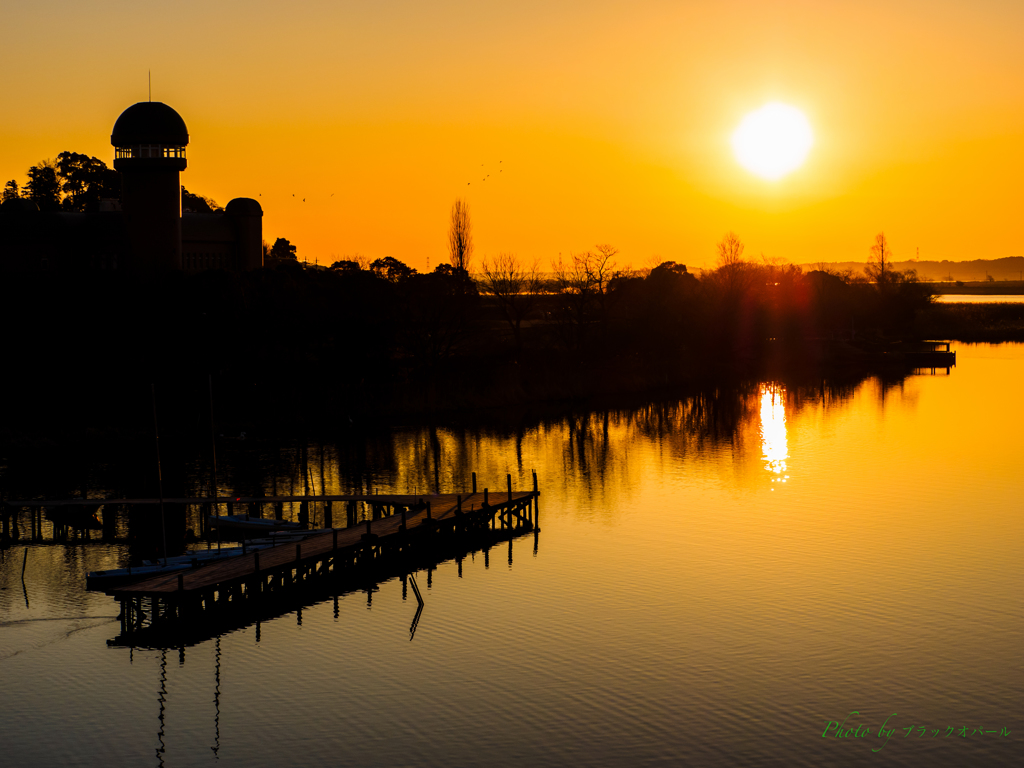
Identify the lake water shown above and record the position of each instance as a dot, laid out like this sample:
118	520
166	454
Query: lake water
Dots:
977	298
714	582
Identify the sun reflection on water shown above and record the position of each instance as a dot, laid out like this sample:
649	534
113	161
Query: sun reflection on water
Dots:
774	448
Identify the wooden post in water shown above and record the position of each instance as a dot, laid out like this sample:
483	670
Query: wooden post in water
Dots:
509	478
474	482
328	514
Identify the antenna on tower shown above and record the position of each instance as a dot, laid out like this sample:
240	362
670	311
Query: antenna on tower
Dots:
150	71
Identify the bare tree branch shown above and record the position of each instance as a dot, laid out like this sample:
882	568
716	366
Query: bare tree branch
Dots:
515	286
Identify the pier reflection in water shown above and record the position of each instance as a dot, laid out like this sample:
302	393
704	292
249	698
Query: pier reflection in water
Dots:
682	607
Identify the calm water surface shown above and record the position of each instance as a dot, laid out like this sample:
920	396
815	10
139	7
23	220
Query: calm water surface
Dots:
714	581
975	298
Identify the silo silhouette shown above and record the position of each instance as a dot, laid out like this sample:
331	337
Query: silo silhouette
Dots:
149	140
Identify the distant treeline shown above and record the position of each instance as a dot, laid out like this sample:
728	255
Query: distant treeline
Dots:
1010	268
290	343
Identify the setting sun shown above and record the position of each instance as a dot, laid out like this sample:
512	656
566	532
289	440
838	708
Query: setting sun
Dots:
773	140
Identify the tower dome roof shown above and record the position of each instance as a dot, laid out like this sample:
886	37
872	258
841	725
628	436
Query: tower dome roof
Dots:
149	122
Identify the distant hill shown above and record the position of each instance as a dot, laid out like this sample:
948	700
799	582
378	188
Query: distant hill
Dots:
1010	268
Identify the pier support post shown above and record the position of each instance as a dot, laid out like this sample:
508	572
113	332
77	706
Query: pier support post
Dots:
328	514
509	478
474	482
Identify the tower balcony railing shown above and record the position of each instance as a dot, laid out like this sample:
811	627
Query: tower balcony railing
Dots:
149	151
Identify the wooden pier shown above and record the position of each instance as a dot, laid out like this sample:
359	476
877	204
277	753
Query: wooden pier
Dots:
406	530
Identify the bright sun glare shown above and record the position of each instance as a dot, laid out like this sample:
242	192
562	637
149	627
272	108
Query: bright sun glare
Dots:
773	140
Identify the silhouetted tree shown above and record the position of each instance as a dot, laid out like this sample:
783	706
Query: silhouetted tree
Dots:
730	250
11	191
282	251
344	266
85	180
731	274
515	286
656	314
879	266
43	187
583	284
198	203
460	236
391	269
440	313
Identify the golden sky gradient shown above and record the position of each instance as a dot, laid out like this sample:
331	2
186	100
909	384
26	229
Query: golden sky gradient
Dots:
597	121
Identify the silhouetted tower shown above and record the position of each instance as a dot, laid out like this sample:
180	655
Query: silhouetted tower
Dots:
149	141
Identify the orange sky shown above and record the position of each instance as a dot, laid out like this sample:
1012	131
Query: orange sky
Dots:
611	120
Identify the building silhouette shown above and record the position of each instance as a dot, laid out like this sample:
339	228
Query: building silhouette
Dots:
146	230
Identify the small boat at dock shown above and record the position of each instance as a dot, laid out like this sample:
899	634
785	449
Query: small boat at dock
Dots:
195	558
